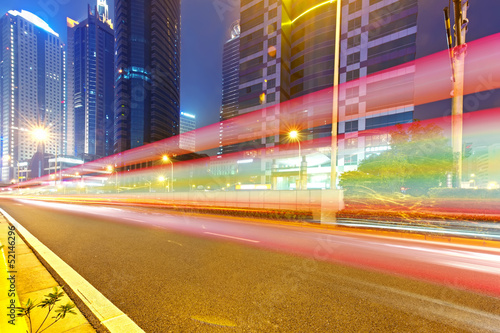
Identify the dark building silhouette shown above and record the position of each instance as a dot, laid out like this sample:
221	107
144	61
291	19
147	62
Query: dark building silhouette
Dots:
147	77
91	82
230	84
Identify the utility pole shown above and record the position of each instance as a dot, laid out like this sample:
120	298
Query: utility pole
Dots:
335	111
457	56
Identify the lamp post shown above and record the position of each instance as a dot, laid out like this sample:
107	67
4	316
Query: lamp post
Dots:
41	134
162	179
294	136
111	169
165	158
457	54
335	109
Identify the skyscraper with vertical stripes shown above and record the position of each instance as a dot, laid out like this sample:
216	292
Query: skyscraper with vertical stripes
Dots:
32	93
147	72
91	82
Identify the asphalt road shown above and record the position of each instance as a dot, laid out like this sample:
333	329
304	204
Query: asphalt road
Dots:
190	273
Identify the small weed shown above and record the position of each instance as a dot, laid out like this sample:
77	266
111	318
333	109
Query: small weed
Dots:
49	302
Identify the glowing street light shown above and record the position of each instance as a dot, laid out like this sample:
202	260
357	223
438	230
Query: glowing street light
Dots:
294	136
112	169
41	134
165	158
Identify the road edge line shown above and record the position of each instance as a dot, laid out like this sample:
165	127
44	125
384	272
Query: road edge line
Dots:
108	314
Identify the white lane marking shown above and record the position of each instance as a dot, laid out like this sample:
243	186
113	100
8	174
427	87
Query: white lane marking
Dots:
105	311
171	241
492	258
233	237
135	220
471	267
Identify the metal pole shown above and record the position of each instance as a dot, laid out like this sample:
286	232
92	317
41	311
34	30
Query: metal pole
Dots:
335	111
172	175
300	167
458	54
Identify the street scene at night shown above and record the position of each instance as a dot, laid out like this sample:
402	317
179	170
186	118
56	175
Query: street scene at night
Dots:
250	166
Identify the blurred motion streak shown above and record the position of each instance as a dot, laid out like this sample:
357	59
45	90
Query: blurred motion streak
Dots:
142	171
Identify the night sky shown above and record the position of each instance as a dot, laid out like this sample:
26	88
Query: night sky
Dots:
205	27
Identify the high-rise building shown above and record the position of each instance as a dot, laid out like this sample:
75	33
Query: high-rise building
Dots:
187	138
230	84
287	52
91	82
147	77
377	35
32	92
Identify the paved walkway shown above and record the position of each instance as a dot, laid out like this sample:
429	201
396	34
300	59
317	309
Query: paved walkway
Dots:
31	281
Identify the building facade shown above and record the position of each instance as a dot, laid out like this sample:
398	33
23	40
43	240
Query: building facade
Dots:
377	36
230	84
147	72
287	53
32	92
91	82
187	139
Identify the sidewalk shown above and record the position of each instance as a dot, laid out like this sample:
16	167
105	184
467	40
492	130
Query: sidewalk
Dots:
32	281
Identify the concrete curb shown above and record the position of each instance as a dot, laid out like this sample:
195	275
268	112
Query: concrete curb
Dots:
107	314
9	295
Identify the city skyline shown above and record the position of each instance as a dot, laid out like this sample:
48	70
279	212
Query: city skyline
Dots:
202	71
250	165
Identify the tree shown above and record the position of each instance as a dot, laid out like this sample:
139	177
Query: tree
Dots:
418	159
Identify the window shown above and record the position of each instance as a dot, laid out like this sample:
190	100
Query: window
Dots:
271	98
351	109
377	140
389	120
355	6
354	41
351	92
354	24
271	69
351	126
351	159
272	13
353	58
271	28
271	83
351	143
352	75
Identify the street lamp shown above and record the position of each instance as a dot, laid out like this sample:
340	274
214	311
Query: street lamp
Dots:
162	179
41	134
111	169
335	109
165	158
294	136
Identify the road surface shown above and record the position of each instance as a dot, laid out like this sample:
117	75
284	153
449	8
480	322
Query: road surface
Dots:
194	273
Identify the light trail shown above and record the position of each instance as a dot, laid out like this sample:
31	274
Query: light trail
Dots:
472	268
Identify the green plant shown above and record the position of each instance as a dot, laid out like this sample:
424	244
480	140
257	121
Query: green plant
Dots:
49	303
